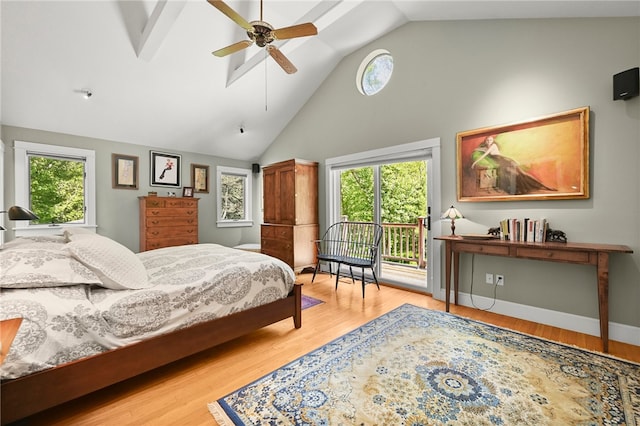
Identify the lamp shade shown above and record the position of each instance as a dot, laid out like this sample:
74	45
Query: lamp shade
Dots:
20	213
452	213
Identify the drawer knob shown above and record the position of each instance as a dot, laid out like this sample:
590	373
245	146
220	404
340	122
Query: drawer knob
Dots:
550	254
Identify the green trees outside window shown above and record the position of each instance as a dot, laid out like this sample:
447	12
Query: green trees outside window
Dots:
403	189
57	189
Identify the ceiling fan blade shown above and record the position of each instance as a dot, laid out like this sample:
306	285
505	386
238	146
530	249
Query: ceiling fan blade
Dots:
235	17
300	30
282	60
232	48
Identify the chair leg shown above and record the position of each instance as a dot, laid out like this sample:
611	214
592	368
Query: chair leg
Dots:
315	271
353	280
363	283
337	276
373	272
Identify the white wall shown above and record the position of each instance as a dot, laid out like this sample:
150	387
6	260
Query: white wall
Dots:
462	75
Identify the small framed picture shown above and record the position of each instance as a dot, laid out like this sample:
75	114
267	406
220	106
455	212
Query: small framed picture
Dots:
165	169
200	178
187	191
124	171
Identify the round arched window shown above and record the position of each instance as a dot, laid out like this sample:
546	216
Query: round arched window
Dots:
374	72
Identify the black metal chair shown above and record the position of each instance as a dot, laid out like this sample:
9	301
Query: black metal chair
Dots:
353	244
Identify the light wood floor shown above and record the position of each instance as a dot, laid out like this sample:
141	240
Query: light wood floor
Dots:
178	394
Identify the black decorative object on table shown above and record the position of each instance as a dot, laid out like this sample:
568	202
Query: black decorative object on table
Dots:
494	231
556	236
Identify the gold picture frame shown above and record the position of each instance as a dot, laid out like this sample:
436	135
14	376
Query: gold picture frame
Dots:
200	178
124	171
545	158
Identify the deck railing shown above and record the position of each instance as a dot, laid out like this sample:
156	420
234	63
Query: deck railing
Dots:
404	243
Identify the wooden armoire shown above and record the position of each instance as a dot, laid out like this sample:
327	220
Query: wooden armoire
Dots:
290	209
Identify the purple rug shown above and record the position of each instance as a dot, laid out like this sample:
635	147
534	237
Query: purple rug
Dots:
308	301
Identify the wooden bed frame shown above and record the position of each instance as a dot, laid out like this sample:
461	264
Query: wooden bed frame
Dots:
36	392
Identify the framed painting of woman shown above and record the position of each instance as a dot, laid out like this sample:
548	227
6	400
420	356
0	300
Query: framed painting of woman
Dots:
540	159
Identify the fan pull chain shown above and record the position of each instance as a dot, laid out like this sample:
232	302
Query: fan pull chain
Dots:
265	80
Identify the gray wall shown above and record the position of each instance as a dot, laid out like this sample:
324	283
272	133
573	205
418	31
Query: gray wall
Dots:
117	209
462	75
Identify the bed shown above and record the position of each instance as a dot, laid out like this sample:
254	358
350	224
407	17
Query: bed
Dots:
94	313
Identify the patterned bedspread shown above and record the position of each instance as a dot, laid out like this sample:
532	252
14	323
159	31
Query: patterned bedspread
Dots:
186	285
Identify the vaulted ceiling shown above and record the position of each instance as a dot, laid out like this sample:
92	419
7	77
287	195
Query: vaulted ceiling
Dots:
155	82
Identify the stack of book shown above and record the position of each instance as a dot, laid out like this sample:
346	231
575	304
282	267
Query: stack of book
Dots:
525	230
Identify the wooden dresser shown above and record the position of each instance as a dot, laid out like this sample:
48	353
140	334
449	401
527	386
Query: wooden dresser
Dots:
290	192
168	221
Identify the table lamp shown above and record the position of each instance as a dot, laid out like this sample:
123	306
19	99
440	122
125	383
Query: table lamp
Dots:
453	214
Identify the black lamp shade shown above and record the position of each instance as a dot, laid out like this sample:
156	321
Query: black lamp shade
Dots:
20	213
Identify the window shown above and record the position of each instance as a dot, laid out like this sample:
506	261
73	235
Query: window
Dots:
234	197
374	72
57	183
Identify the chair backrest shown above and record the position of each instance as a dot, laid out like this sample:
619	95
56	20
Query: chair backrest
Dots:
352	239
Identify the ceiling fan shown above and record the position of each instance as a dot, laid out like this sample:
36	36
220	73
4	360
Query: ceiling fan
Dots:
262	34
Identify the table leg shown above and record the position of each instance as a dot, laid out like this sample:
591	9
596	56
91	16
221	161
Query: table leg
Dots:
447	274
603	298
456	270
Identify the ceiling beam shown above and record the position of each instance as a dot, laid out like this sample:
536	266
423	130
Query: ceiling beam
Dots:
162	18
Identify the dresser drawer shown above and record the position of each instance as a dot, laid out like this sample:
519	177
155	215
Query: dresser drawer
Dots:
553	255
274	244
285	255
170	242
173	212
174	231
162	221
152	202
277	232
181	203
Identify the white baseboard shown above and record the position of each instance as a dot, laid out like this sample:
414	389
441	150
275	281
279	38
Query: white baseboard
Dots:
618	332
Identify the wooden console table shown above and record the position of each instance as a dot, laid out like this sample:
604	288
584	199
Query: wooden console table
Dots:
578	253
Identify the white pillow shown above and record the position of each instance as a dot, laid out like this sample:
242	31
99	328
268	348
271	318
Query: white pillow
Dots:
70	232
25	264
117	266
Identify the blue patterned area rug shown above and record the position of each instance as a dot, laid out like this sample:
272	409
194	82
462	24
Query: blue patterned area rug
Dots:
308	301
414	366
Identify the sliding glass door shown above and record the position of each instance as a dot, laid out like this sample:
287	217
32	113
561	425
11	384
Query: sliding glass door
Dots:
392	190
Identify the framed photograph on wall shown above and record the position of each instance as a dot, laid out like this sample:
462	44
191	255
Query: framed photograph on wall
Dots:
124	171
540	159
200	178
165	169
187	191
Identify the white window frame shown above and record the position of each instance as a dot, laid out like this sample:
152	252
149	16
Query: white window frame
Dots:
22	187
246	175
420	150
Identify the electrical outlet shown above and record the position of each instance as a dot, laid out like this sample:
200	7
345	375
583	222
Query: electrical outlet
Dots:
499	279
489	278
